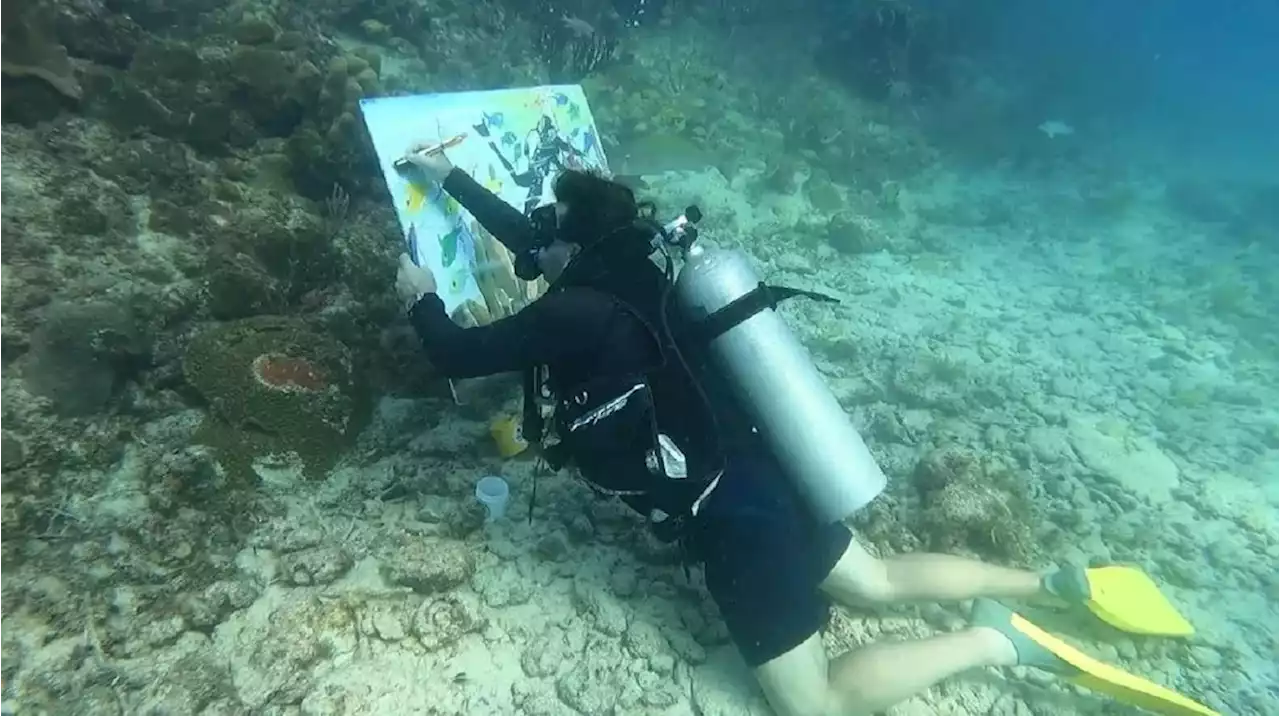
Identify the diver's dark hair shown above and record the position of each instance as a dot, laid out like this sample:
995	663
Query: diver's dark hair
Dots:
597	206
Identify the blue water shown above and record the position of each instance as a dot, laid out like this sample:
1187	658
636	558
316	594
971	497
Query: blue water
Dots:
1195	80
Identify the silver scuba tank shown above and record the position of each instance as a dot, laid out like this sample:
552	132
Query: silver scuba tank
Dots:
791	404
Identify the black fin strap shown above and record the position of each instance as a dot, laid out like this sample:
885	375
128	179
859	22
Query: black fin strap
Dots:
749	304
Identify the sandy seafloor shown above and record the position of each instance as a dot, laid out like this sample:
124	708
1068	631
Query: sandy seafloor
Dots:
1057	361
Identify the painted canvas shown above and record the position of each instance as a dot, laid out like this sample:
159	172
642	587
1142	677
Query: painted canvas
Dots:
512	141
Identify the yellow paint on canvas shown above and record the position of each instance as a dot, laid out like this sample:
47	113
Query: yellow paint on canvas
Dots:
415	197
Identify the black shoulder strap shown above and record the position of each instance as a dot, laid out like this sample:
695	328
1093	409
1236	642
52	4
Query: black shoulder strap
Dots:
744	307
535	377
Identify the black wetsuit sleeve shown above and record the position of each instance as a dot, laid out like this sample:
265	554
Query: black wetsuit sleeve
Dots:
642	504
547	331
501	219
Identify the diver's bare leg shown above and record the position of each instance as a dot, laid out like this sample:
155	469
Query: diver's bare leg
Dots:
873	678
860	578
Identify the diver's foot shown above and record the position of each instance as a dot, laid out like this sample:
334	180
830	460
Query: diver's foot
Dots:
992	615
998	648
1069	583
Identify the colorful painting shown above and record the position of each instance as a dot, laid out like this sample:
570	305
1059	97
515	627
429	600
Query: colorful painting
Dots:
513	142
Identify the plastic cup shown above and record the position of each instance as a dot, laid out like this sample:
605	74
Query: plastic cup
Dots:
492	492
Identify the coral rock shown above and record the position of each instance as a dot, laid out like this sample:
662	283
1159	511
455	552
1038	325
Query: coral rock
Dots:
974	504
276	387
31	50
596	683
319	565
238	287
80	355
1134	463
430	567
278	668
441	622
13	451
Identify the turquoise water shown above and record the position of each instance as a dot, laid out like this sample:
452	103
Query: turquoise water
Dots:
1056	259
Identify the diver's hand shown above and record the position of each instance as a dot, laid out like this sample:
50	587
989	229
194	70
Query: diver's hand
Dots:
432	163
413	282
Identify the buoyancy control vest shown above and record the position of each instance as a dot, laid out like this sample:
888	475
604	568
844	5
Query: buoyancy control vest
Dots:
649	435
727	319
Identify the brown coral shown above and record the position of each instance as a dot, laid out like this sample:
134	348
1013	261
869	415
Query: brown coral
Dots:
976	505
275	386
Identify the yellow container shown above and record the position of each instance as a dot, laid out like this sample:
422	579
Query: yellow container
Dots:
508	436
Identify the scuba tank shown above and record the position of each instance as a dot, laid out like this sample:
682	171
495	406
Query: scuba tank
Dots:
728	314
732	317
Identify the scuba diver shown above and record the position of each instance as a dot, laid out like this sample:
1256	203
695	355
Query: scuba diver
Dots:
640	416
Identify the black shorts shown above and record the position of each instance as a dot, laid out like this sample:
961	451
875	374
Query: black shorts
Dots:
764	559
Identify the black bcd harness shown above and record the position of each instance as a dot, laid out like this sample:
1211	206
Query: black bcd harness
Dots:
608	425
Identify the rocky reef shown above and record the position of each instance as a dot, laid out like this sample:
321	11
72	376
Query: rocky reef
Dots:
232	484
33	51
276	389
972	504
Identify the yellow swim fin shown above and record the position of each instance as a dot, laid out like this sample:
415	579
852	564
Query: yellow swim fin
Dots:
1114	682
1124	597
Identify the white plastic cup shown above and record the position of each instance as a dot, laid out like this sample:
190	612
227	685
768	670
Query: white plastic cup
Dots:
493	493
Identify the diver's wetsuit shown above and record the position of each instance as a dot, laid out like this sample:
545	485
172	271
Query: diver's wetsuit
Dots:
763	557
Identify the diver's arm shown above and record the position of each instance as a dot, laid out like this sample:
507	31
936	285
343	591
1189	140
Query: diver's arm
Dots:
642	504
501	219
546	331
